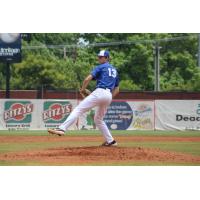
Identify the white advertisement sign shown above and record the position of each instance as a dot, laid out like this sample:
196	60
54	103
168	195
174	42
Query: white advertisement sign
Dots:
18	114
28	114
123	115
55	112
143	115
22	114
177	114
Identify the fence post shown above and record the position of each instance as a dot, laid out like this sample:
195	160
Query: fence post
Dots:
157	67
7	80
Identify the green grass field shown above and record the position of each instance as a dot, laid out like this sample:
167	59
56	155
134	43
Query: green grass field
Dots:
121	132
184	147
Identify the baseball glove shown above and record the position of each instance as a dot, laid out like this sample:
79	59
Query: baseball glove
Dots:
85	93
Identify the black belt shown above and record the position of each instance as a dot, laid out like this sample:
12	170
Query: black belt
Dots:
105	88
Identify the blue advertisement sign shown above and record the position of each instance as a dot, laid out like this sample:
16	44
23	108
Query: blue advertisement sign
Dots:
119	116
10	47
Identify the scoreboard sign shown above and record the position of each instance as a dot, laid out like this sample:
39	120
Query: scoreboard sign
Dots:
10	47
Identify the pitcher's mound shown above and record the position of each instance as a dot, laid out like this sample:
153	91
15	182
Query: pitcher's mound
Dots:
98	155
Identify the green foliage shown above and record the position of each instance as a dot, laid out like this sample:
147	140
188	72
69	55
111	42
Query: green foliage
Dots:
128	85
2	75
59	68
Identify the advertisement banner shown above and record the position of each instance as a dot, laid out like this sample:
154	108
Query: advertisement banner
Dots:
23	114
177	114
119	116
34	114
10	47
55	112
123	115
143	115
19	114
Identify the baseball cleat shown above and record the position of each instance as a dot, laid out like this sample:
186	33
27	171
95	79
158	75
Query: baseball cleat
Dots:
58	132
106	144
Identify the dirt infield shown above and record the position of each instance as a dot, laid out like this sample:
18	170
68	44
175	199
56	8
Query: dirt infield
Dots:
94	154
89	155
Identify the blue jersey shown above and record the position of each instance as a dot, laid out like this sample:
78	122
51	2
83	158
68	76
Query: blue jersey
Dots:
106	76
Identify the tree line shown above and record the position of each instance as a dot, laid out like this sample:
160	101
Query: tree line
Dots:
62	60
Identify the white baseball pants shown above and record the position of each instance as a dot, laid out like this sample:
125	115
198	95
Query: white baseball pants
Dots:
100	98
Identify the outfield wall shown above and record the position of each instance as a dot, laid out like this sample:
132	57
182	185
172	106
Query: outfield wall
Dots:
123	95
32	114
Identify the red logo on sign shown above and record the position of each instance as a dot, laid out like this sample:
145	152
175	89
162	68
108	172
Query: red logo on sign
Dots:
18	111
57	111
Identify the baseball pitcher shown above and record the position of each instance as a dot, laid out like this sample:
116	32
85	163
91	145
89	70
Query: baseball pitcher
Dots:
107	87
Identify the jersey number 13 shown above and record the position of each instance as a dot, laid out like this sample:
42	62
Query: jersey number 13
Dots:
112	72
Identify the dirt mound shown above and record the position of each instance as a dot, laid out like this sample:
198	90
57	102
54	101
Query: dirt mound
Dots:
89	155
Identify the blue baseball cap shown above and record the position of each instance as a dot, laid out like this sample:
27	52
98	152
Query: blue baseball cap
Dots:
104	53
